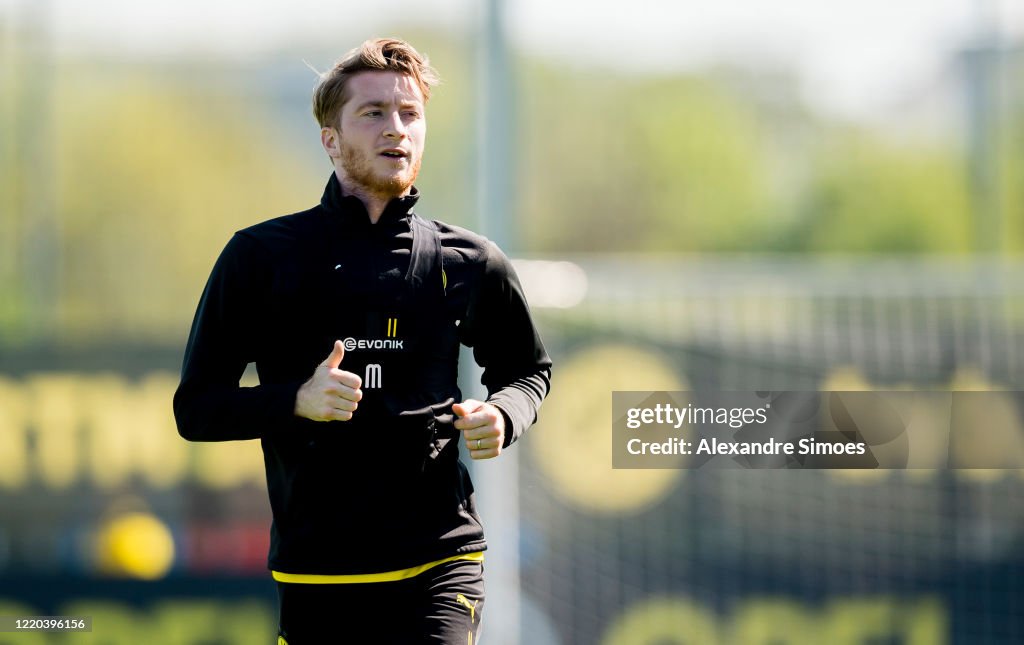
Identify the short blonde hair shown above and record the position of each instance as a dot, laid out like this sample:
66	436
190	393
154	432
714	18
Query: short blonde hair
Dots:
382	55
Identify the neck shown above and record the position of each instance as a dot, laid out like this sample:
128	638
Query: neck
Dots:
375	203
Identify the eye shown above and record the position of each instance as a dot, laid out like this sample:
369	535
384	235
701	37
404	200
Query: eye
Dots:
372	113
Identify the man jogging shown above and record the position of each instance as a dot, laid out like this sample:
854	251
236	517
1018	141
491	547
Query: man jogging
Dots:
353	312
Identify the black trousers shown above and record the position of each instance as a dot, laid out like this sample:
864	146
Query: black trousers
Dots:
441	606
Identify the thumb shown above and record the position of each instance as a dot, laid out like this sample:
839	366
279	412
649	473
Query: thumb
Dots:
466	407
338	353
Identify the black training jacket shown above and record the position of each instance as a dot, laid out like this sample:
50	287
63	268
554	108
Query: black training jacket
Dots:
385	490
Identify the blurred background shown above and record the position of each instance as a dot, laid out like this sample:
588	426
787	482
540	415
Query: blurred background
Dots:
817	195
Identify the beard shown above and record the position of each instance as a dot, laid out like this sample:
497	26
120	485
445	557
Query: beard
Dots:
360	171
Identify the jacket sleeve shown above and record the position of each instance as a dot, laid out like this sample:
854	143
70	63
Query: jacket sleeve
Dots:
209	404
507	345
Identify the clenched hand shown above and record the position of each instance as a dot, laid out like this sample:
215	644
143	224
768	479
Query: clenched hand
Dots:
483	427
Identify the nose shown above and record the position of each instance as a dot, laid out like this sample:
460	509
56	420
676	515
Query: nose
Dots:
394	128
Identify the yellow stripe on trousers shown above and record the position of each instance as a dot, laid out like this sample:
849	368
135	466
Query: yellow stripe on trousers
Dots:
386	576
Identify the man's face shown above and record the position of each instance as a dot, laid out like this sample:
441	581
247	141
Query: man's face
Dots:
383	128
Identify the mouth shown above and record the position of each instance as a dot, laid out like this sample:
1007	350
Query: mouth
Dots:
395	153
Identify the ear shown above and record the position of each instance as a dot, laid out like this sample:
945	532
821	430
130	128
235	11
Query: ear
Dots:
330	139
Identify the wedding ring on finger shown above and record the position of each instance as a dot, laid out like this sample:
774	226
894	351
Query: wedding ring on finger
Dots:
478	444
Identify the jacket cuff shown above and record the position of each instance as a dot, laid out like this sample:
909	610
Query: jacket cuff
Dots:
513	430
279	399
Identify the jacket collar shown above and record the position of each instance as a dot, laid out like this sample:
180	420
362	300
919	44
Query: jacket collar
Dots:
352	210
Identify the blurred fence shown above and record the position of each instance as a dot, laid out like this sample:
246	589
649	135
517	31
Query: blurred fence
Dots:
99	494
655	556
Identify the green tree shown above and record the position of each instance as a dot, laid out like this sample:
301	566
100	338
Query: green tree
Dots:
616	164
867	195
151	180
